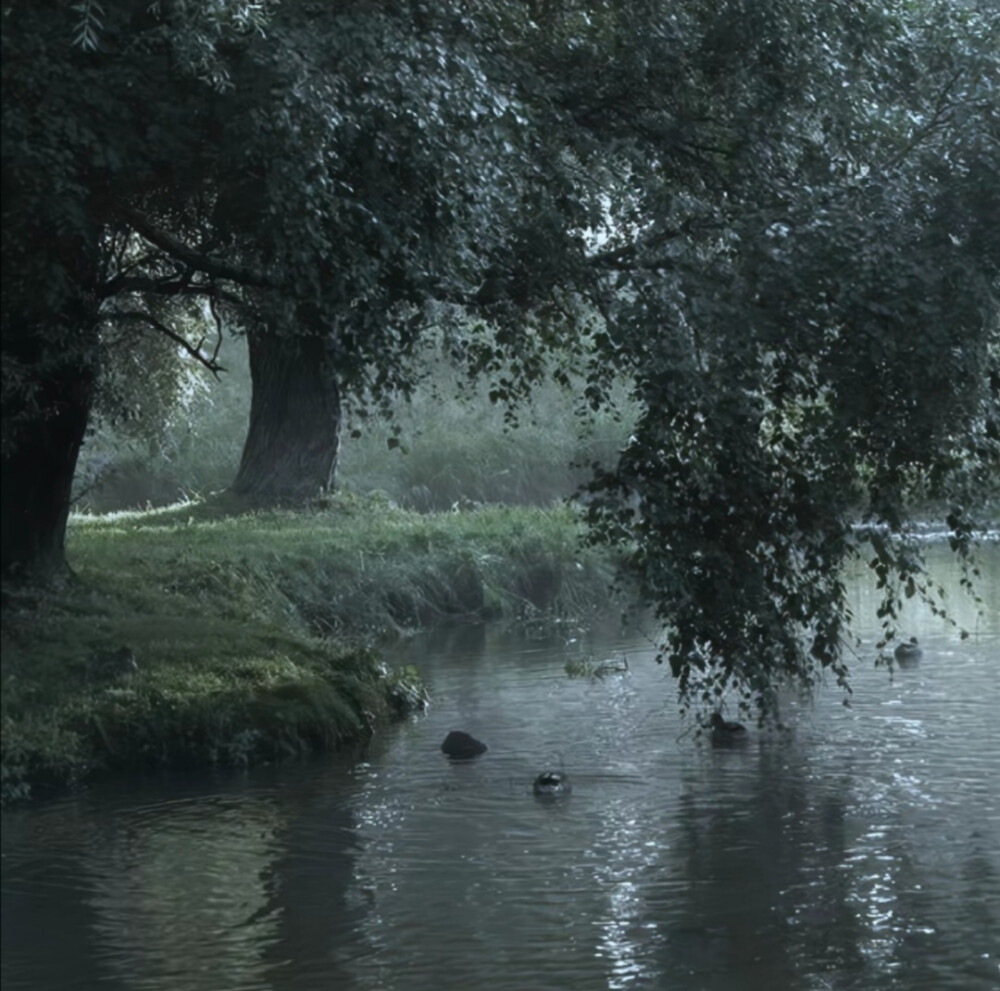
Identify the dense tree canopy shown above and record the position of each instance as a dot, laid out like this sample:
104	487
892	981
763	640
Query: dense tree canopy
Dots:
823	346
779	220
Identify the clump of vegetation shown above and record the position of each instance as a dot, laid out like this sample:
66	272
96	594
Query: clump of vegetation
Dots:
187	688
198	634
406	692
588	667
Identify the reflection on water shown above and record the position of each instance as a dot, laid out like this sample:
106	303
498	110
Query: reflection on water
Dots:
860	850
195	870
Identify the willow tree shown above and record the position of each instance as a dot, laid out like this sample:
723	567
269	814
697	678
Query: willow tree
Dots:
808	308
795	261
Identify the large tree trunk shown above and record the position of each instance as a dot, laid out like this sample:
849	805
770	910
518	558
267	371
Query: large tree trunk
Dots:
50	342
290	453
38	473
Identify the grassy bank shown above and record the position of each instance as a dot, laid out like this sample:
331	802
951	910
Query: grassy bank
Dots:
200	634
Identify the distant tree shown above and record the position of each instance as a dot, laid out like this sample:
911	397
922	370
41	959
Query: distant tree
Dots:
375	177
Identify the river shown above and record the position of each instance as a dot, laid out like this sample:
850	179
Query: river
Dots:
858	849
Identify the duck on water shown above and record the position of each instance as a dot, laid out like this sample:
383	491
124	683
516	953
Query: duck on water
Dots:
908	654
726	733
551	784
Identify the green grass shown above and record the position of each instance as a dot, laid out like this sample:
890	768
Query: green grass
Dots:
253	631
353	565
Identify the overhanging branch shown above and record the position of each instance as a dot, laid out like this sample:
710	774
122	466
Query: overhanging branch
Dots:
937	119
210	362
167	287
214	267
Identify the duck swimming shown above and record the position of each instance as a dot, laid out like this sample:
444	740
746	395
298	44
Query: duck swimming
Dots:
726	733
908	654
550	784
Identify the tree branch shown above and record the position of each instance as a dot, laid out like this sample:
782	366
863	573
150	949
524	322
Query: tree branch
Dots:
166	287
211	363
213	306
941	107
213	267
627	256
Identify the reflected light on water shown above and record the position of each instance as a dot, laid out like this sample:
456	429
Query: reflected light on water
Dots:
623	857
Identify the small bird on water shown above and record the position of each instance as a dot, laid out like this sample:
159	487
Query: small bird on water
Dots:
726	733
908	654
550	784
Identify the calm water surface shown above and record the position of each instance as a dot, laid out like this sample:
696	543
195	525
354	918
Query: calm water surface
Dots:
860	850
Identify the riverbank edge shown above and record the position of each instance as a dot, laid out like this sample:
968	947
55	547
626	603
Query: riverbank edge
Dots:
203	634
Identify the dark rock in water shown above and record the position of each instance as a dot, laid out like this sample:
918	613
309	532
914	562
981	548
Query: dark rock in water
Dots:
461	746
908	654
551	784
726	733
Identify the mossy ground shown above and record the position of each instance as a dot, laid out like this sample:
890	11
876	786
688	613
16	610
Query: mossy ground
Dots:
253	631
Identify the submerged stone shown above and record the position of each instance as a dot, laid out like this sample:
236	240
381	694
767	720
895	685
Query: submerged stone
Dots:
462	746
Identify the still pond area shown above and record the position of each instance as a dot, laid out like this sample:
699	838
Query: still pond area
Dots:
858	850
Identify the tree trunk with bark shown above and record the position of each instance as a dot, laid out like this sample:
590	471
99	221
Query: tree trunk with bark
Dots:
50	341
290	454
38	473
